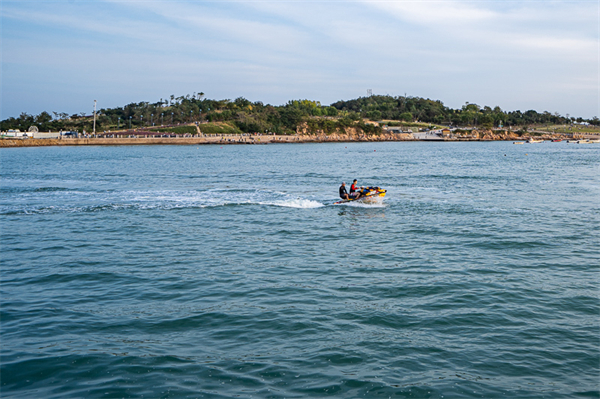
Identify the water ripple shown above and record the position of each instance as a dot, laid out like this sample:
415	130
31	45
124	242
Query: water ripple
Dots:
207	272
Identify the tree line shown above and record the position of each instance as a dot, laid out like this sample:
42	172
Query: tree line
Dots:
256	116
408	109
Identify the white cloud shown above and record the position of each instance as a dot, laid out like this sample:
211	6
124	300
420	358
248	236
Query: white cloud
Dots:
429	14
455	51
518	26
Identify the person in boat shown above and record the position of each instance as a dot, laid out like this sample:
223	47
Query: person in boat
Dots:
343	192
353	190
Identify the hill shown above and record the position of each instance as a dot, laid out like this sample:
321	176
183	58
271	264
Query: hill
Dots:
245	116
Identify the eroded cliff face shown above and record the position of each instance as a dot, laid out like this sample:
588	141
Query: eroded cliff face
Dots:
509	136
355	134
347	134
496	135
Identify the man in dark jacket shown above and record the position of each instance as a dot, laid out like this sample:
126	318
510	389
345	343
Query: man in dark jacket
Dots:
343	192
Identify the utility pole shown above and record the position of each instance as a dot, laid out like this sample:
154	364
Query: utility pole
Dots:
94	117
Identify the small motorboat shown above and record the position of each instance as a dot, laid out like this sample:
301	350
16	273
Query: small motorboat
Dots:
368	194
518	142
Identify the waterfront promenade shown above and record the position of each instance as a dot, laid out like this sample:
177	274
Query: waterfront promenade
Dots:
142	137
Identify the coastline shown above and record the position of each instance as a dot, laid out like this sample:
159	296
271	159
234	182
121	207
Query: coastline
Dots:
260	139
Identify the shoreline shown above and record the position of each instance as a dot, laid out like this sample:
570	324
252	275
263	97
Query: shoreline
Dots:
249	140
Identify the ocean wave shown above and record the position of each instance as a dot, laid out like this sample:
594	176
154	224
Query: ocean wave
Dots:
50	189
24	190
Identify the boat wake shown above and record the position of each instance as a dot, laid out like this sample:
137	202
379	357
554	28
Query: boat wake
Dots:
74	201
295	203
220	197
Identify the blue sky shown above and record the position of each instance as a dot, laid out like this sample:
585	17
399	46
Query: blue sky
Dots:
61	55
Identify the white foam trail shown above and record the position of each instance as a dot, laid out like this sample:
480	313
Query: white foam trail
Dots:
295	203
373	203
165	199
220	197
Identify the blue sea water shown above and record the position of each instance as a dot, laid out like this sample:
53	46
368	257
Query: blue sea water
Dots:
228	272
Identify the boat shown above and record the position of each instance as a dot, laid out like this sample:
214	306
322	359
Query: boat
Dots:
531	141
429	135
556	140
518	142
588	141
369	195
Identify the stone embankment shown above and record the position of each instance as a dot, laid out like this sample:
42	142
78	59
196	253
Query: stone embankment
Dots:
350	135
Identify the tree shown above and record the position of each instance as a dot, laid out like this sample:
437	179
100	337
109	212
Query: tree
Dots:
332	111
471	107
406	116
374	115
487	121
43	118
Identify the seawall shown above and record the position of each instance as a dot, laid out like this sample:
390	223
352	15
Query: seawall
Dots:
237	139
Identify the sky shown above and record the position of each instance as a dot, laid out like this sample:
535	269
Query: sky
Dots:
61	55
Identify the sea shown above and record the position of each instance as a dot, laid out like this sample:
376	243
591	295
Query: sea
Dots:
228	271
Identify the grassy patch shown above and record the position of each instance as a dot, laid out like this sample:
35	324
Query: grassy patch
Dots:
219	128
205	128
577	129
392	123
